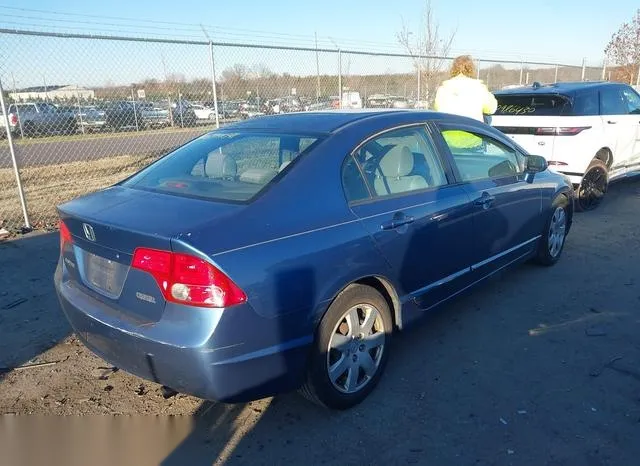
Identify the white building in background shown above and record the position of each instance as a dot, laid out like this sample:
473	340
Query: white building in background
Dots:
52	93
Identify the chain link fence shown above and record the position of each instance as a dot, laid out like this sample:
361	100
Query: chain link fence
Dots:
84	112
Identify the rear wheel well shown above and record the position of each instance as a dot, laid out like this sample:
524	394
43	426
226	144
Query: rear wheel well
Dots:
605	156
385	288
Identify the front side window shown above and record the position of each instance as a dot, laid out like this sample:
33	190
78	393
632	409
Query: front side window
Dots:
225	166
479	157
612	102
401	161
633	101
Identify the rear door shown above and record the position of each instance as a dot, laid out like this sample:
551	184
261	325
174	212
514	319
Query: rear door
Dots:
506	209
418	219
620	127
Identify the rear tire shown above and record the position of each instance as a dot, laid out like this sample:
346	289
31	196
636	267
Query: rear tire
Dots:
351	349
593	187
551	244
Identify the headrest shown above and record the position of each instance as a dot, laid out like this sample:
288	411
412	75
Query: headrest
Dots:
220	166
397	162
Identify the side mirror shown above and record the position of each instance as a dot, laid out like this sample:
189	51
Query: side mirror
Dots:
534	164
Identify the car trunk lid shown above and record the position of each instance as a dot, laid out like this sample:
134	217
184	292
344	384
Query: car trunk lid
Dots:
107	227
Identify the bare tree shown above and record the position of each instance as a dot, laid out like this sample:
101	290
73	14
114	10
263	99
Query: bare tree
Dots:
428	49
624	50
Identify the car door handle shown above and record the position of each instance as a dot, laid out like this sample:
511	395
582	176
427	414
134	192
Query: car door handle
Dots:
485	200
397	222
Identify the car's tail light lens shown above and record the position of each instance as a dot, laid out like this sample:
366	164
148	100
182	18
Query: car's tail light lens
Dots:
65	235
187	279
561	131
13	119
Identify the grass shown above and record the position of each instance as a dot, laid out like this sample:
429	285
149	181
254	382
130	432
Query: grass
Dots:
46	187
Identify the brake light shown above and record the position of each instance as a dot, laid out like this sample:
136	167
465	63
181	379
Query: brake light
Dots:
13	119
186	279
65	235
561	131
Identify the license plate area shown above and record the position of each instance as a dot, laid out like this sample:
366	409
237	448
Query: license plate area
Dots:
104	275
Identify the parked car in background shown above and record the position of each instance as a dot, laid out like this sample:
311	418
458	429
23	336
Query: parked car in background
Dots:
204	113
183	114
351	100
154	115
378	101
41	118
290	257
398	102
3	128
91	118
590	131
247	111
122	115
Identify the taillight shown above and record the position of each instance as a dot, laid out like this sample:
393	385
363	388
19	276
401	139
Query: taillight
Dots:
65	235
186	279
13	119
561	131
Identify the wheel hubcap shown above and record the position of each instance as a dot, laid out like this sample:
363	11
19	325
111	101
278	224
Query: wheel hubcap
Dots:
557	231
355	348
592	189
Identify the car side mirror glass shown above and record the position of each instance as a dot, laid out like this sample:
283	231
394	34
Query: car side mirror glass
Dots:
536	164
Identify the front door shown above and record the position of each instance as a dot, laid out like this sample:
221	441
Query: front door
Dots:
418	220
621	128
506	221
632	120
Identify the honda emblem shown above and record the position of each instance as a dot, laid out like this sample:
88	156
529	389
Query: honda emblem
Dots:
88	232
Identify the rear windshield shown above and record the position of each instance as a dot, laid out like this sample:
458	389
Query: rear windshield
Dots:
538	105
226	166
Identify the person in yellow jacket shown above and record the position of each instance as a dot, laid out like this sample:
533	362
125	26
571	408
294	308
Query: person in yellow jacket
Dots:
464	95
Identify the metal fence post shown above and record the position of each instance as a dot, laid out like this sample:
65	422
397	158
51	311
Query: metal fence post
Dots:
521	71
604	69
12	150
213	84
135	111
638	78
340	77
419	84
556	77
584	67
478	69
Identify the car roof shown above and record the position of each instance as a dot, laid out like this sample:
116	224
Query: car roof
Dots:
321	121
569	87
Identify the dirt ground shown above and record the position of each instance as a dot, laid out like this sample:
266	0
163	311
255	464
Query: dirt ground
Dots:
541	366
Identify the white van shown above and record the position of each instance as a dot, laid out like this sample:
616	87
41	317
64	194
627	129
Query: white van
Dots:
351	100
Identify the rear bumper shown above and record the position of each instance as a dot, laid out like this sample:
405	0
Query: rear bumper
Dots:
212	367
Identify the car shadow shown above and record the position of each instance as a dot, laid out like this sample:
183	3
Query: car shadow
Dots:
31	321
219	428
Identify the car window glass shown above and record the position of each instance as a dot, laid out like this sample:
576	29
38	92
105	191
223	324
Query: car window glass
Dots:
633	101
586	104
233	166
355	188
401	161
480	157
612	102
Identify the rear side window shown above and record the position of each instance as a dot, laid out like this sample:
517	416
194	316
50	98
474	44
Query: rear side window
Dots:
226	166
538	105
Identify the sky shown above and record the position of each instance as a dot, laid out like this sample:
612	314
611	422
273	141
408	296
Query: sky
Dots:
564	31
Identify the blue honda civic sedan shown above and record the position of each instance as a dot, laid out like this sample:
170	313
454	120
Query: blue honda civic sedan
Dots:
285	251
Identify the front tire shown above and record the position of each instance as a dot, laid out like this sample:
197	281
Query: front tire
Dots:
351	349
593	187
553	238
